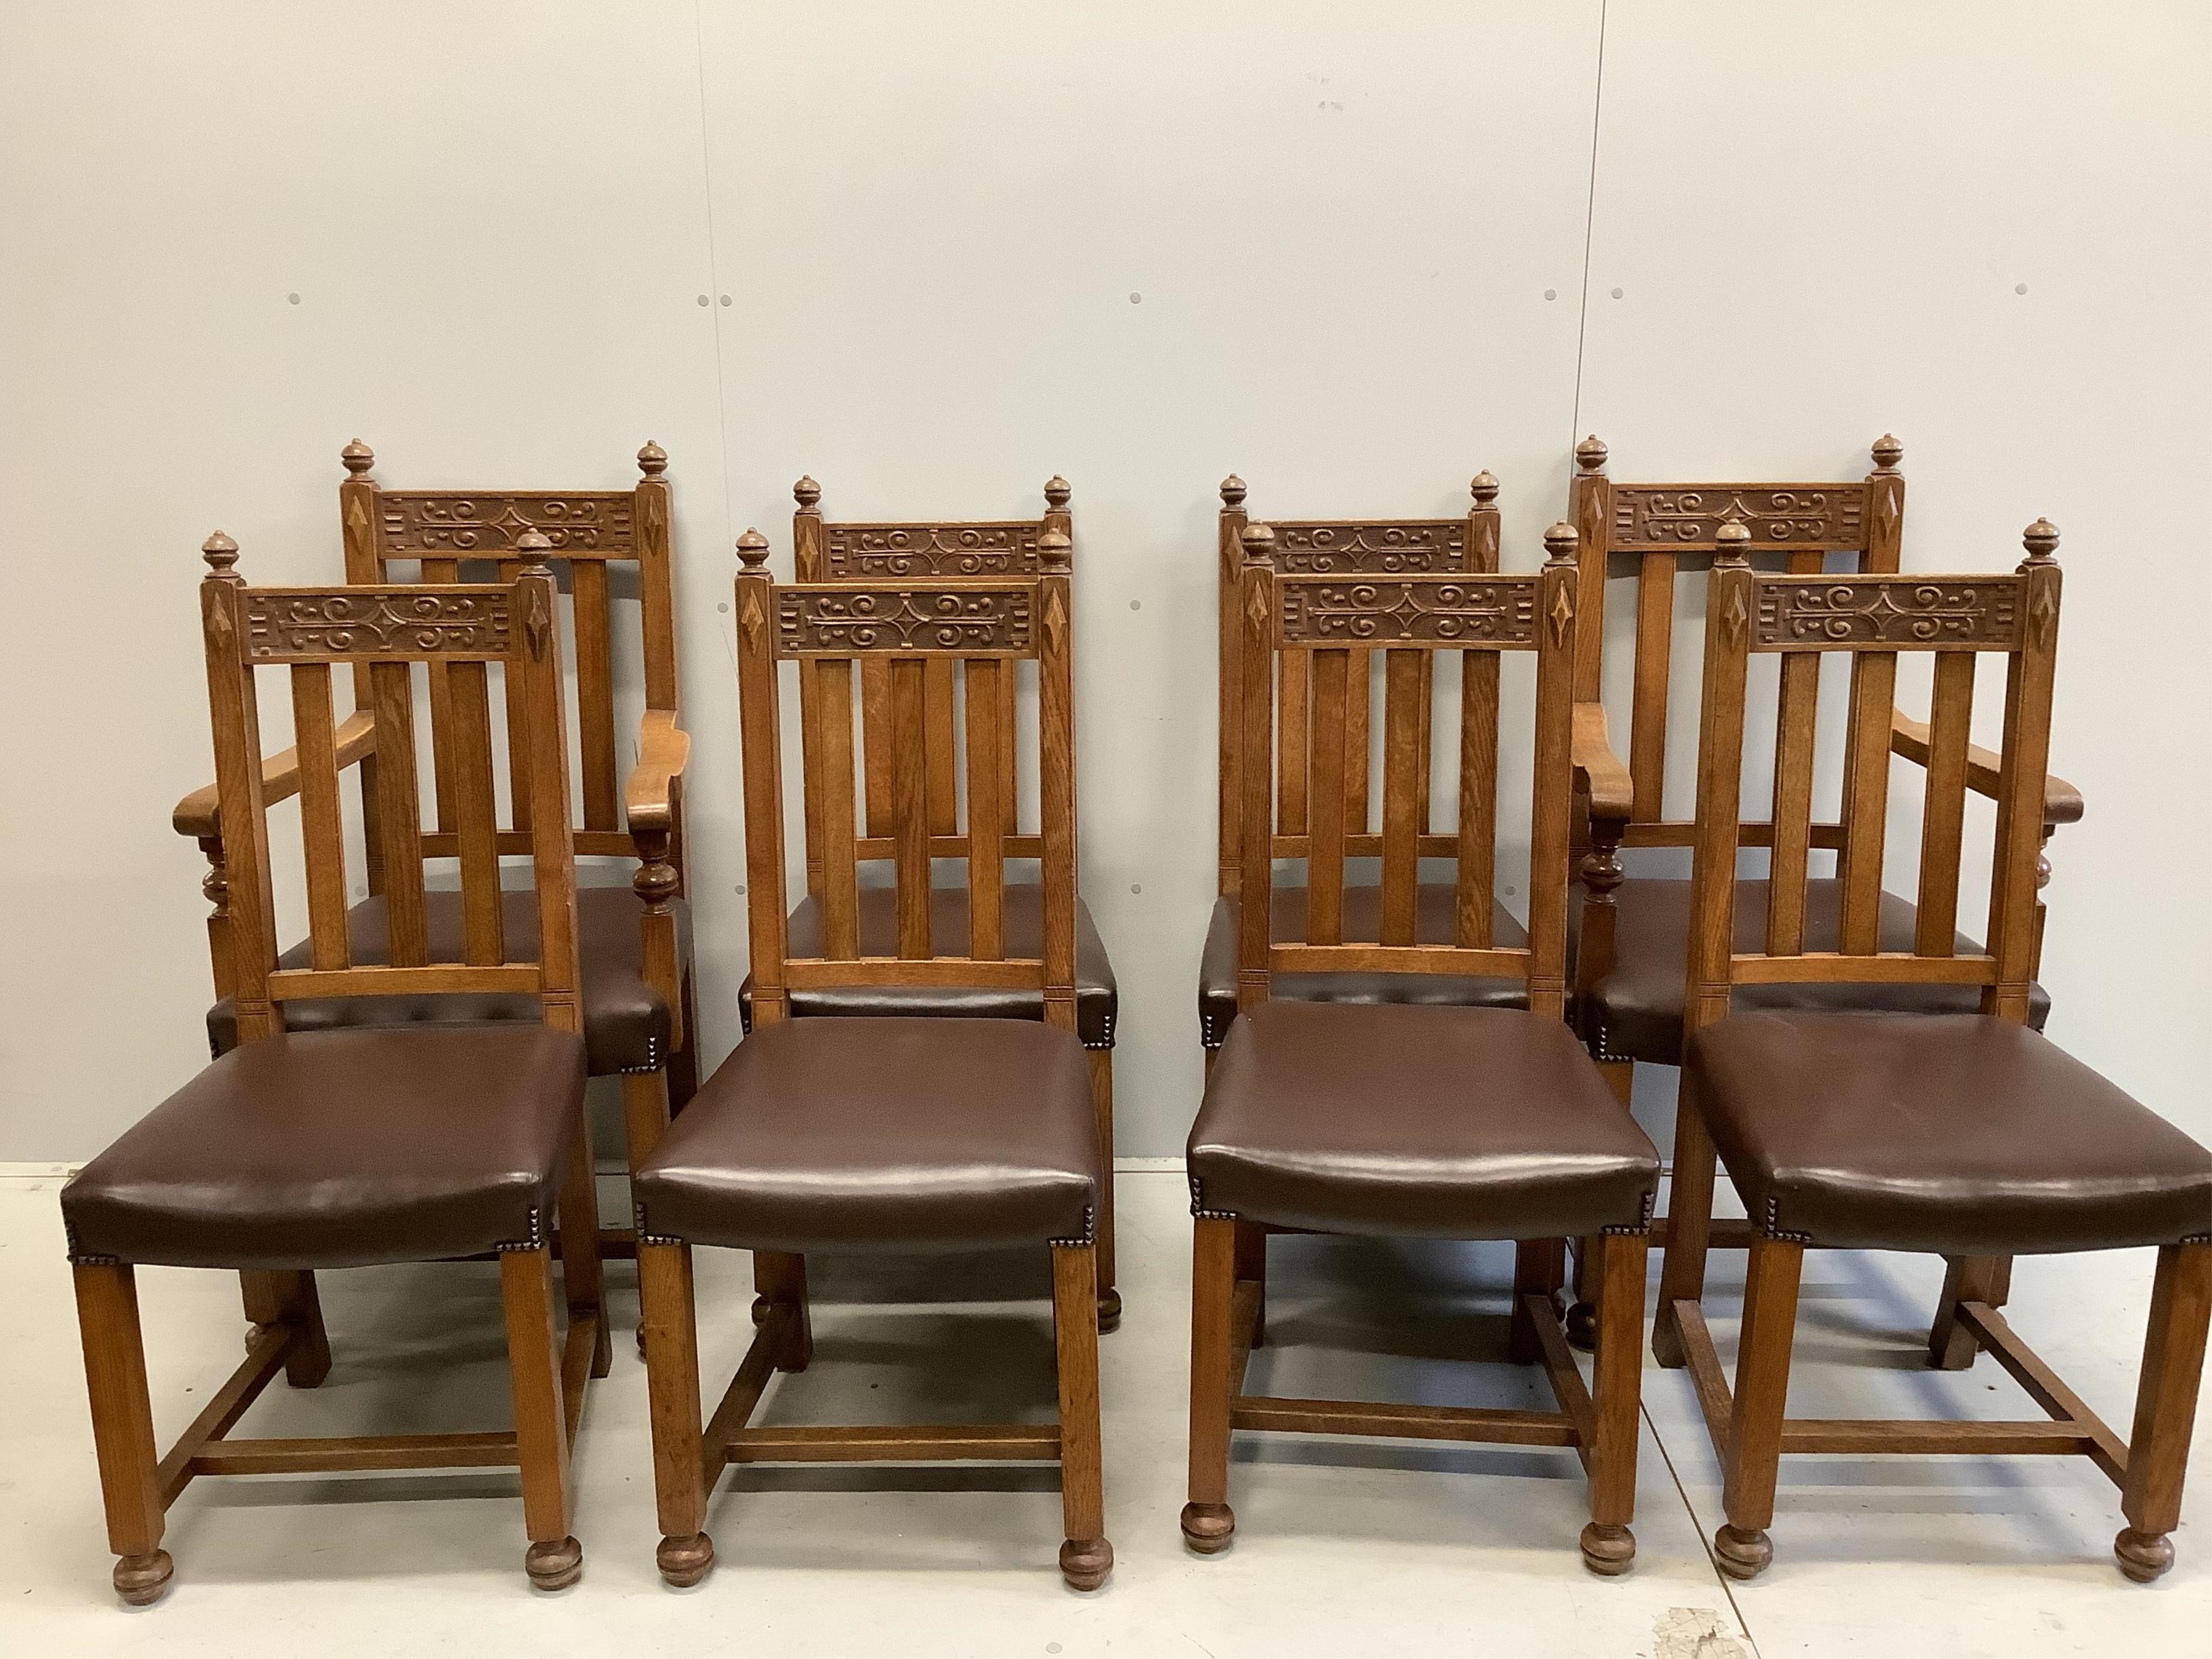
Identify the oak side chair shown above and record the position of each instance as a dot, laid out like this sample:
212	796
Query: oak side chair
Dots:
886	1133
1628	938
1409	1121
862	554
640	1014
1969	1135
299	1151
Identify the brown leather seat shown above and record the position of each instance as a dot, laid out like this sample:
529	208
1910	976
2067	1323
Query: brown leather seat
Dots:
1956	1133
1438	1122
882	1135
626	1025
1096	1000
1433	924
1638	1005
339	1149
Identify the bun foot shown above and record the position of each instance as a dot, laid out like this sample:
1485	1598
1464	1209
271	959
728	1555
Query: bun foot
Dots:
1109	1310
1084	1562
2143	1556
1609	1551
1742	1553
554	1566
140	1580
1582	1326
684	1561
1207	1528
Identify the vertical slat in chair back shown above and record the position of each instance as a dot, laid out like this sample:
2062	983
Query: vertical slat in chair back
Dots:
1874	618
586	530
1330	623
1347	547
894	630
1659	530
866	554
380	633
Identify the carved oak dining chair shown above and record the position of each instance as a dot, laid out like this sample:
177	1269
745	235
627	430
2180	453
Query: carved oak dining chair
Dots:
862	554
1371	1119
640	1018
299	1151
1628	938
889	1134
1968	1135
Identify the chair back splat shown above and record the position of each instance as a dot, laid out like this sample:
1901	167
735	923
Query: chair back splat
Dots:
1328	624
380	634
934	659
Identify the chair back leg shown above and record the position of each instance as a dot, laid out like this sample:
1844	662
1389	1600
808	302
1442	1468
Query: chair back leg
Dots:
779	1278
583	1281
1086	1557
289	1298
1984	1278
555	1561
123	1428
1101	1102
2165	1409
1689	1223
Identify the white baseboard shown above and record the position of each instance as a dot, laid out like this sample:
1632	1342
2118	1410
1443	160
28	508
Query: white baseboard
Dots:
16	1172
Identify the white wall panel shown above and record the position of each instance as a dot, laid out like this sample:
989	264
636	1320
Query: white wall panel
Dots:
1984	226
1146	245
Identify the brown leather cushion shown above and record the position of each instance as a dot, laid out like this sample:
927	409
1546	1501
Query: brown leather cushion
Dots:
626	1022
1095	999
1951	1133
1438	909
338	1149
1439	1122
882	1134
1638	1005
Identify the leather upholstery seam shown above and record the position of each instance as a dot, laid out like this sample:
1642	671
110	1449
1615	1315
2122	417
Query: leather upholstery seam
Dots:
83	1258
1090	1233
1773	1228
1640	1228
535	1242
1198	1205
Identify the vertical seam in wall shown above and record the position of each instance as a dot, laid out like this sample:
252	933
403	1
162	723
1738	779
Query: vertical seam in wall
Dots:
713	272
1589	223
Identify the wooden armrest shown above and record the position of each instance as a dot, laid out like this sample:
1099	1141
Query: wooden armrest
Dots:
1598	770
664	748
2062	801
199	814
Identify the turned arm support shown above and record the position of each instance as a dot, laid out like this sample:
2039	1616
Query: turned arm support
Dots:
2062	801
199	814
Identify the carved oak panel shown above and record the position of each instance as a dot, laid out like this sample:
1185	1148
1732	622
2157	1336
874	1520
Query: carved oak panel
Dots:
1415	611
302	625
580	524
887	552
972	620
1887	613
1819	515
1413	546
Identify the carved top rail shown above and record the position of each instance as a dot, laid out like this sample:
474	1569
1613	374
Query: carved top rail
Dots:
1887	613
444	624
961	617
1410	613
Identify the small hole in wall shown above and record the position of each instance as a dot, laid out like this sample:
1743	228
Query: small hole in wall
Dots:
1551	293
1136	887
2020	288
1136	604
294	299
741	889
703	299
724	606
1136	298
1513	892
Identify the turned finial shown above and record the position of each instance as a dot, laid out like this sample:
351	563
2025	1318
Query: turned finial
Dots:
653	459
1259	544
752	549
535	547
220	553
1731	544
358	457
1560	542
1484	488
1888	452
1591	454
2041	541
807	494
1055	553
1056	492
1232	491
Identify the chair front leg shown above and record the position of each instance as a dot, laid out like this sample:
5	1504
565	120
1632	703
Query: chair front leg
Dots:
1208	1522
667	1314
1689	1222
1751	1461
123	1428
289	1299
583	1279
1102	1105
1086	1557
2165	1409
1608	1546
556	1559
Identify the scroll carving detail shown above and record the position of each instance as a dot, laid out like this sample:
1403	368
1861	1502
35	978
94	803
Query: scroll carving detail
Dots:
1423	610
302	627
487	526
1414	547
972	621
1899	611
886	552
1801	515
